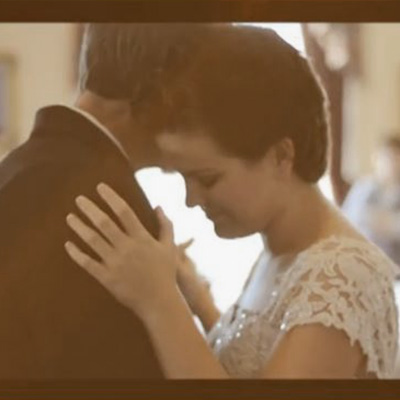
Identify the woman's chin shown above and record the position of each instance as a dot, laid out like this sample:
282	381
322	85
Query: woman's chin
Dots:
229	231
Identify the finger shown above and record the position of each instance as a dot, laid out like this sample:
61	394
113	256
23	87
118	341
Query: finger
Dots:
205	282
90	237
166	228
101	220
185	245
122	210
93	267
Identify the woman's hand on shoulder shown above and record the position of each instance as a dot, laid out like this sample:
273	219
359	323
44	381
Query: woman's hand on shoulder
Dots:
196	290
194	286
137	269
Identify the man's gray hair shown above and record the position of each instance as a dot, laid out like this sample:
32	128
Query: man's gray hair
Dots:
130	60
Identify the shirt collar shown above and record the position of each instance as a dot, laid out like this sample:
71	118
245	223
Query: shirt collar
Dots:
99	125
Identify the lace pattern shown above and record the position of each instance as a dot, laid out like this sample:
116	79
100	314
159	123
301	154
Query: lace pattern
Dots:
339	282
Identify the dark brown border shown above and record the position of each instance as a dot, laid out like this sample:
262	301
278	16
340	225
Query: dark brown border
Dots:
239	389
199	10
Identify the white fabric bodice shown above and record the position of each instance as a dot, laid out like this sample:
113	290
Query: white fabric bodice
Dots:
339	282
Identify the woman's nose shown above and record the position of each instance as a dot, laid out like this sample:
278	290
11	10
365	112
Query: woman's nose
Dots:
193	197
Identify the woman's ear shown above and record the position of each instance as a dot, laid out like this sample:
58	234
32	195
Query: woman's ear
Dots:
284	153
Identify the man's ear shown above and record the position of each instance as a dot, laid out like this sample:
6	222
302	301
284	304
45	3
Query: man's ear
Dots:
284	154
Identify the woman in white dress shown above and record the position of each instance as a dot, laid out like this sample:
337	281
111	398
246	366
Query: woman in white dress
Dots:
246	127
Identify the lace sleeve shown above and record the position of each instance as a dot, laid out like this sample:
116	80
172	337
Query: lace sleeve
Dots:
349	288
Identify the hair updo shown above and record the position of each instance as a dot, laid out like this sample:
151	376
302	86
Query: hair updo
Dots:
248	89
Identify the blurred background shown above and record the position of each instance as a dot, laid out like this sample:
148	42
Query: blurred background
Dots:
359	65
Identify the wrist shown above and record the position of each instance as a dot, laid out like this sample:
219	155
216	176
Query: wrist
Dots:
207	312
202	302
160	305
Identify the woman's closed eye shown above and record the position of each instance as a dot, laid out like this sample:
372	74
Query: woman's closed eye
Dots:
207	181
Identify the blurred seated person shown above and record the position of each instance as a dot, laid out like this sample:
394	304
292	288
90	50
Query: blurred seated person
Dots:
373	203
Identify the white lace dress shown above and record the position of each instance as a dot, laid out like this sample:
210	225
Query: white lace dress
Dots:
339	282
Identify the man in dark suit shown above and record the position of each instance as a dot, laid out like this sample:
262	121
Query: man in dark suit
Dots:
56	321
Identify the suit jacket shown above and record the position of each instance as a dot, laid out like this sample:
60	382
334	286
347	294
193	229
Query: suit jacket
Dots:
56	321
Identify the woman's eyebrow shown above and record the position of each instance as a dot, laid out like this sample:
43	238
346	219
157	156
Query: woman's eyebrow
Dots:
195	172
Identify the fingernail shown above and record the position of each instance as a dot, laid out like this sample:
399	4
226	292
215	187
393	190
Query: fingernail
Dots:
70	217
80	200
101	187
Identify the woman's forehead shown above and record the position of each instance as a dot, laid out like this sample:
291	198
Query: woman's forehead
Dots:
190	151
181	144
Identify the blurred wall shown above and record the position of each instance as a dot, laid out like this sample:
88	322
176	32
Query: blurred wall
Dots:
45	58
372	105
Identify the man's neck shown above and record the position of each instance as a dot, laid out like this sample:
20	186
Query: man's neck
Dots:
103	111
115	117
